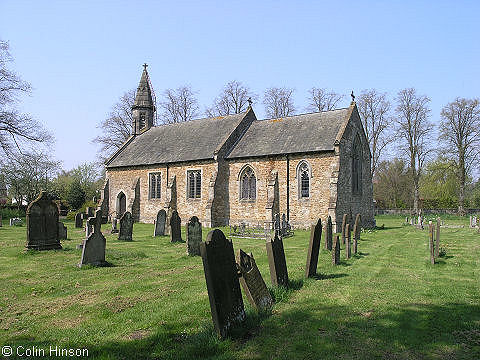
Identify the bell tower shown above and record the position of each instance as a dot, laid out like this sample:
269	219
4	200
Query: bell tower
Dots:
143	108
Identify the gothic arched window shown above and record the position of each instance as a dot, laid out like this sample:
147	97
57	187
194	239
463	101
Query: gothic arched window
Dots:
303	176
356	166
248	184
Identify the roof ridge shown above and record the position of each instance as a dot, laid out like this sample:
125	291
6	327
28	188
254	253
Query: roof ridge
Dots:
219	117
309	113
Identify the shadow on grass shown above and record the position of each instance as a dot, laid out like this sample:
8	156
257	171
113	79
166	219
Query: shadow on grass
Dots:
328	276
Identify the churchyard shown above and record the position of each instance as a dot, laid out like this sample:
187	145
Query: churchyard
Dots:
387	301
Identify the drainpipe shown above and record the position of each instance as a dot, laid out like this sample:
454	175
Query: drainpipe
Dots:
288	188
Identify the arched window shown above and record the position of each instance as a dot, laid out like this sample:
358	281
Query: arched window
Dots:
121	204
303	176
248	184
356	166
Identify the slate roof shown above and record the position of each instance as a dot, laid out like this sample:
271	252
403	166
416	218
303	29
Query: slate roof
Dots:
294	134
188	141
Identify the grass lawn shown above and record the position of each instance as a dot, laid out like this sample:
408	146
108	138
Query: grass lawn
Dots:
387	302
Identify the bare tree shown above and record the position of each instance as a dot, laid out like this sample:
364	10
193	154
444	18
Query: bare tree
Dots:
179	105
232	100
412	130
117	127
17	130
278	102
323	100
460	137
374	109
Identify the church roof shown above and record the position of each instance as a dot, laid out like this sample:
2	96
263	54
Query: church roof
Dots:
294	134
187	141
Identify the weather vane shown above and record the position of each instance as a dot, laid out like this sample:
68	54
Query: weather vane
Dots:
250	101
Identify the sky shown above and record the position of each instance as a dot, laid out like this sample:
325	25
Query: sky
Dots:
81	56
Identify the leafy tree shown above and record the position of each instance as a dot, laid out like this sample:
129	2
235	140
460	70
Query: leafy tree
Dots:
391	185
438	185
75	194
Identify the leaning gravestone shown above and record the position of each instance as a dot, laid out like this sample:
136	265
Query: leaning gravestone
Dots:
348	250
344	223
252	282
336	251
328	234
175	229
93	252
313	249
78	220
42	224
159	229
357	228
194	236
126	227
62	231
277	262
226	303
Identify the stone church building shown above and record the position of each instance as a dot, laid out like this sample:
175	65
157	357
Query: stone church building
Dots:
232	169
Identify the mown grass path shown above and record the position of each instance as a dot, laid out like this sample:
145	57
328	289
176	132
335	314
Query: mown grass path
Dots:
387	302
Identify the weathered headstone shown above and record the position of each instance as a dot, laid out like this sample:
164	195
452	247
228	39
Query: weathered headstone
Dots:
277	262
16	222
62	231
78	220
226	303
42	224
276	224
329	234
159	229
93	252
284	225
114	226
252	282
336	251
126	227
437	239
357	229
348	251
194	236
175	227
313	249
344	224
431	234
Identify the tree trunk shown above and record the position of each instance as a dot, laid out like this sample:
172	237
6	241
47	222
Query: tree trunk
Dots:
461	192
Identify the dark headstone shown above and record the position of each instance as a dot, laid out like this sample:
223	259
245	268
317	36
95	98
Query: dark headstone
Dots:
252	282
194	236
93	252
284	224
226	303
159	229
348	241
329	234
437	239
78	220
357	228
114	226
42	224
344	223
175	229
62	231
276	261
313	249
126	227
336	251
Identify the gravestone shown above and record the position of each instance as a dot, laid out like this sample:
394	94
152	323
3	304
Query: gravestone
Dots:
42	224
328	234
224	294
412	221
252	282
348	251
431	234
89	212
336	251
284	225
159	229
277	262
126	227
344	223
16	222
276	225
313	249
357	229
93	252
114	226
194	236
78	220
88	228
175	229
62	231
437	239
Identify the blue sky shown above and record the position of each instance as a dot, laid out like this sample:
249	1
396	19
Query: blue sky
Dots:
81	56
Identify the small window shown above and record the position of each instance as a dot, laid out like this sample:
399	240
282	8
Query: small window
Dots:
356	166
248	184
142	120
303	176
194	184
155	185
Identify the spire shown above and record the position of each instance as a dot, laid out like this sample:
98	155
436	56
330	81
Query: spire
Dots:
143	107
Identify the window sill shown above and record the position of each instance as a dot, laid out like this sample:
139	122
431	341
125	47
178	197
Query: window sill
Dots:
155	199
304	199
247	201
194	199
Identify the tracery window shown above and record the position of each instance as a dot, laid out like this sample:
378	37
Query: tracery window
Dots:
155	180
194	184
304	176
248	184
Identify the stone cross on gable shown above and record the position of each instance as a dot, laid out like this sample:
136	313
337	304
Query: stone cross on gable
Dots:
145	66
96	221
